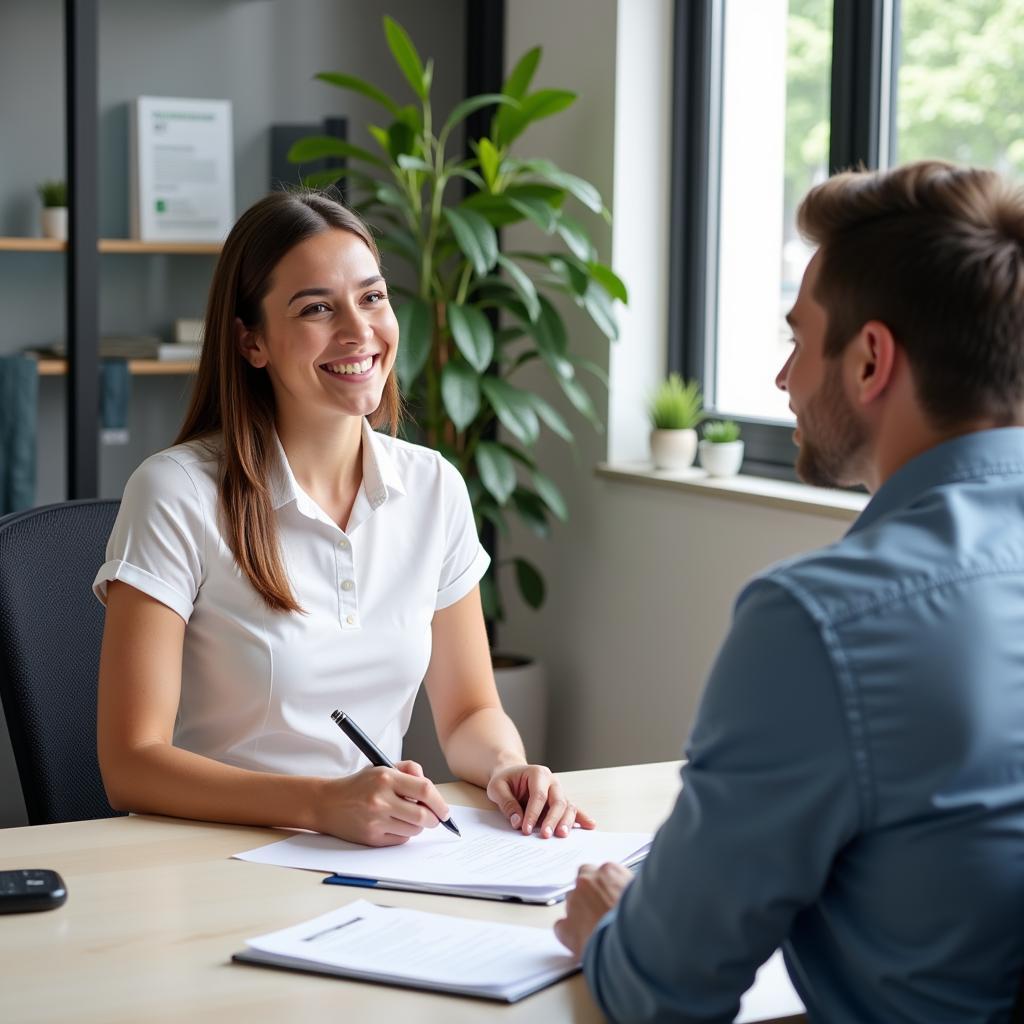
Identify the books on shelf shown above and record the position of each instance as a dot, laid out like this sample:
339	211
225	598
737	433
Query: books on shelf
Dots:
182	169
417	949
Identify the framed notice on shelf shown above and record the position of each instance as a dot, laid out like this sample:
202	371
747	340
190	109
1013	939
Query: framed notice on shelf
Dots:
182	170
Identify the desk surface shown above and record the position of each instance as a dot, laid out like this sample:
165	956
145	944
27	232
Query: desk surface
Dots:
156	908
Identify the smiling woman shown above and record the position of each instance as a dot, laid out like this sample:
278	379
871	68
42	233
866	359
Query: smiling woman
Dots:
285	558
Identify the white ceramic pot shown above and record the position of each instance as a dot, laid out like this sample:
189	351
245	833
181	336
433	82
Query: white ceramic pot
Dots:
721	459
55	222
673	449
522	688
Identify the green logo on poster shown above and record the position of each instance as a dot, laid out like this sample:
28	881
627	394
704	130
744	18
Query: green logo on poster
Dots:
161	206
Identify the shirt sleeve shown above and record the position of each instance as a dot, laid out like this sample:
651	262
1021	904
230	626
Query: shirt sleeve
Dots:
159	537
465	560
768	800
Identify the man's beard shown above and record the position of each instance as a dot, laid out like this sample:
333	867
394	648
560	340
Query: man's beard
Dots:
831	436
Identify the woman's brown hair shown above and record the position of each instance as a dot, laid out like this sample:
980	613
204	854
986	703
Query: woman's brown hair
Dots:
234	402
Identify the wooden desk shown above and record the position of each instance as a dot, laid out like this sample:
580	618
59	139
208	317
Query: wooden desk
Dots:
156	908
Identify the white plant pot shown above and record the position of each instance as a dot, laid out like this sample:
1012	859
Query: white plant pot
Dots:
673	449
55	222
522	687
721	459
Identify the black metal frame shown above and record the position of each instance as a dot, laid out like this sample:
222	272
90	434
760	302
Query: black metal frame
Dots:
864	54
82	318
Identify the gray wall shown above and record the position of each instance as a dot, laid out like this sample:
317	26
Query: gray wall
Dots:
260	54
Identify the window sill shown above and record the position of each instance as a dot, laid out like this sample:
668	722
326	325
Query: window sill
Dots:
755	490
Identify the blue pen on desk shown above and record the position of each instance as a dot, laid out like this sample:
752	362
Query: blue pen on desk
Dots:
374	754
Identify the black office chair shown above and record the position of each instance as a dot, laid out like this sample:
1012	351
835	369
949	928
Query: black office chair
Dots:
51	626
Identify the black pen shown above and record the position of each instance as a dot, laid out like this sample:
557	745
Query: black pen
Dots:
374	754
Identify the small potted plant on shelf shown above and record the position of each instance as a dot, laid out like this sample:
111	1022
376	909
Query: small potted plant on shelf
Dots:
54	195
675	410
721	451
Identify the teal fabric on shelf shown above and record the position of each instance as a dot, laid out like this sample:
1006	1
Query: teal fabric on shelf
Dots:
19	399
115	393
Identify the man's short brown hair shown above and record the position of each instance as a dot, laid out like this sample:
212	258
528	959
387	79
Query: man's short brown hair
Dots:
936	253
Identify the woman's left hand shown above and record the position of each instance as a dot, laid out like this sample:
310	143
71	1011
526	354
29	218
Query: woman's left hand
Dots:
532	798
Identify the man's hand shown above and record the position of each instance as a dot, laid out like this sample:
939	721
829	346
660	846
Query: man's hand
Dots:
597	891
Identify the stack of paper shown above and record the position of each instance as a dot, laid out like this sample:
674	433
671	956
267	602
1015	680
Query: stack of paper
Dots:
491	860
419	950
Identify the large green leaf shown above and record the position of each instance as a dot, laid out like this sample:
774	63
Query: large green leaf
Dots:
401	140
572	271
354	84
549	331
514	409
521	75
552	418
577	394
609	281
406	57
534	107
475	236
550	494
460	392
316	147
415	327
413	163
575	236
598	304
525	288
324	179
469	106
536	210
531	583
581	189
532	511
489	159
497	470
473	335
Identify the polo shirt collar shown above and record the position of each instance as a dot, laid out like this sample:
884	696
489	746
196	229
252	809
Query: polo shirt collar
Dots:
381	479
973	456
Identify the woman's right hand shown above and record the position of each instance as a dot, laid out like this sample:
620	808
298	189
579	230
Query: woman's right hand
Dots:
380	806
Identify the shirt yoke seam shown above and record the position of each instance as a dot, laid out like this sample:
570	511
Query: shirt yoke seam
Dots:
906	591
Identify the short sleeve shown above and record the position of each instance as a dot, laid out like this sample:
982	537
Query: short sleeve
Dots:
465	560
159	538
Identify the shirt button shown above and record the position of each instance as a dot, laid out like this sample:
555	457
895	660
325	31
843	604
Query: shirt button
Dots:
347	585
350	619
343	544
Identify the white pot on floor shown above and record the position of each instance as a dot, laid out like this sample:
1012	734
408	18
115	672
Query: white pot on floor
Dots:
522	687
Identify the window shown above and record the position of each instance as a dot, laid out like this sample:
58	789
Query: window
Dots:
769	96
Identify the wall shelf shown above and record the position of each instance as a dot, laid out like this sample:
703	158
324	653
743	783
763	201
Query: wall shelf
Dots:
137	367
113	245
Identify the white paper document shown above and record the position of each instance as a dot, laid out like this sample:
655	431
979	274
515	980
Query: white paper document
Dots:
772	995
491	859
420	950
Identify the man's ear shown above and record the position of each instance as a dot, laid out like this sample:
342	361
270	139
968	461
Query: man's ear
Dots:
873	354
250	345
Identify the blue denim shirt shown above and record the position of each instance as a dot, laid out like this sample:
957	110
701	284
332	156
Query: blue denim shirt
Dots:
855	783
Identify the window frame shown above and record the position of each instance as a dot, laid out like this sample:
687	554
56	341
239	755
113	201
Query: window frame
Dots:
865	48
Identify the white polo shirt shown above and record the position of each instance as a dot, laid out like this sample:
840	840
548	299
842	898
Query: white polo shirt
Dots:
258	686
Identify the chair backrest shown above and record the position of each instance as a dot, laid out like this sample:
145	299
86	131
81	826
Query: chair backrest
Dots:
51	627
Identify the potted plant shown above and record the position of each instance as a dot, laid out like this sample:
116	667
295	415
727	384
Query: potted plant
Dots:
721	451
675	410
54	195
458	366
